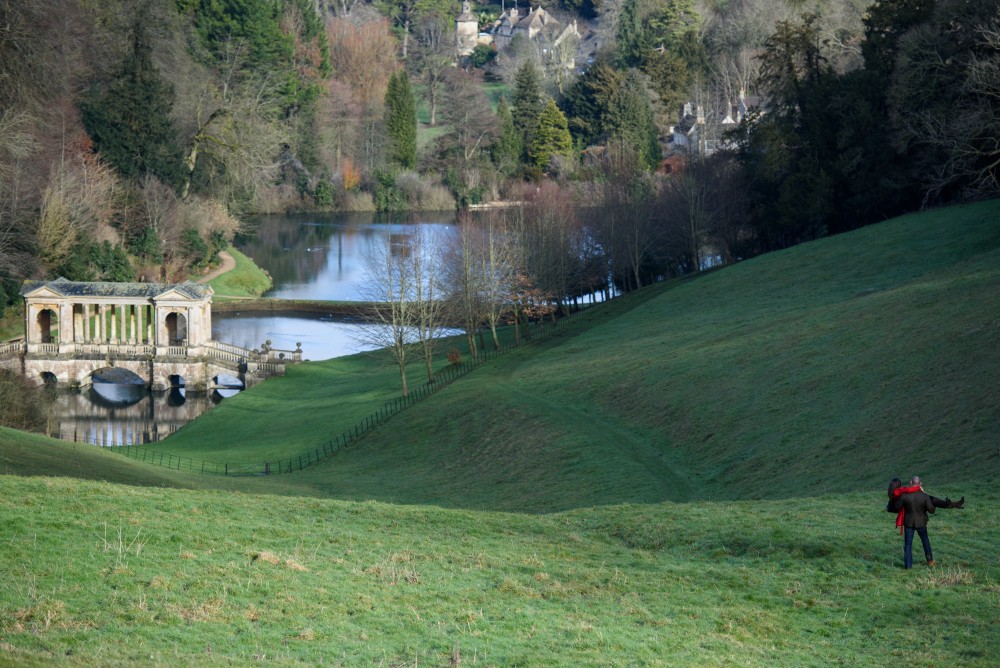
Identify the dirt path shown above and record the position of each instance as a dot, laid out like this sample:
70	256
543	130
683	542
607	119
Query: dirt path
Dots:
228	264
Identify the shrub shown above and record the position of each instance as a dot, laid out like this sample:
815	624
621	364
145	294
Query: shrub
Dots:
21	406
387	196
324	194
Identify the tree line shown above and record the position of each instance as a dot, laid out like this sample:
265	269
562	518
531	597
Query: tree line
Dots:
135	136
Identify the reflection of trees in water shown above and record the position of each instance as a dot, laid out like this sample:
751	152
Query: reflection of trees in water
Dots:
296	249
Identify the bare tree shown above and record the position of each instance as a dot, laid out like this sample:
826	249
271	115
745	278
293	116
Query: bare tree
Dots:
968	141
159	203
16	145
235	126
627	231
389	288
435	55
429	291
552	247
465	281
499	265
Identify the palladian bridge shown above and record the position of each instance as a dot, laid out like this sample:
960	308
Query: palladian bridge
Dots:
161	333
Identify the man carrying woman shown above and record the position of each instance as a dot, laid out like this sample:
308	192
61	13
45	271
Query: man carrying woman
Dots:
913	506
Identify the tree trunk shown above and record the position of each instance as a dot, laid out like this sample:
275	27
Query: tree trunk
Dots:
470	336
496	339
402	377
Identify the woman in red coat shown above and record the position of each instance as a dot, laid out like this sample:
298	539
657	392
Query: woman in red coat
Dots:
897	490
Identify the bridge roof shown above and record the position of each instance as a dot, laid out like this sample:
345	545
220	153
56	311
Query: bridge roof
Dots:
67	288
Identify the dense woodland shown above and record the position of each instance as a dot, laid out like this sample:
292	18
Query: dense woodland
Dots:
137	136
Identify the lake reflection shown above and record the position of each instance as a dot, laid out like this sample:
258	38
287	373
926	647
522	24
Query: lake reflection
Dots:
322	338
121	414
322	256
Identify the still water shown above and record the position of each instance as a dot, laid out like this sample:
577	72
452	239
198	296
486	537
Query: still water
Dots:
322	256
309	256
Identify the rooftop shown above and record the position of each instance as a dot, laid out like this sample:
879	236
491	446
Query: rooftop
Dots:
68	288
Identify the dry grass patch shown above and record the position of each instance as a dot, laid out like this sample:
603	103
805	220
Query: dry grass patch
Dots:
272	558
943	577
210	610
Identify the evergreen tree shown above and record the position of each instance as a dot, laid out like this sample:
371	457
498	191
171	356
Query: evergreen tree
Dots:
527	103
670	23
629	39
630	119
586	102
507	149
551	136
129	121
401	120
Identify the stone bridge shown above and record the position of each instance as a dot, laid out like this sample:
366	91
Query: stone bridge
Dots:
161	333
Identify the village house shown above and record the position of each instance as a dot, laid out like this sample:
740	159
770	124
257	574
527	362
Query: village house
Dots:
699	132
533	24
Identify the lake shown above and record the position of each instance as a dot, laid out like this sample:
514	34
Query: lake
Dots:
309	256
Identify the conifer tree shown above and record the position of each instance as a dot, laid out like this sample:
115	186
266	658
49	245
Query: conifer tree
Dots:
527	103
507	149
551	136
629	38
401	120
129	121
630	119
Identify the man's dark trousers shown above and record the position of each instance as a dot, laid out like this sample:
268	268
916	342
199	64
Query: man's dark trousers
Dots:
908	545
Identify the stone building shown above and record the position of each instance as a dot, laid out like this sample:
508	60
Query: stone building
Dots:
64	313
533	23
466	30
160	333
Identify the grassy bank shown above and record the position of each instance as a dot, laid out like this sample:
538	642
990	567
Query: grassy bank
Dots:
111	575
247	280
12	322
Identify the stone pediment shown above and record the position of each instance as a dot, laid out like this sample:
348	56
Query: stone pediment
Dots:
42	292
178	293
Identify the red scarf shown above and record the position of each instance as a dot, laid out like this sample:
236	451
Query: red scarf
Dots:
898	493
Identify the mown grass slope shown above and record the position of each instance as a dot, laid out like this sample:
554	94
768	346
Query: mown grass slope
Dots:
691	476
112	575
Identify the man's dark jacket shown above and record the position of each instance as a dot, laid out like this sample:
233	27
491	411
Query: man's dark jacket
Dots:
916	507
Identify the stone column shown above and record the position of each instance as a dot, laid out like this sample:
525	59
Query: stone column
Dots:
86	323
77	325
31	324
65	323
102	323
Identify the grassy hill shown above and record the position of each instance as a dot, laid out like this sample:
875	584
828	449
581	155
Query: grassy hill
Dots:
850	360
692	476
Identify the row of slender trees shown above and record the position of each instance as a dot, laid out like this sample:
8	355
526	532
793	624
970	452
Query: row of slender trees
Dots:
543	253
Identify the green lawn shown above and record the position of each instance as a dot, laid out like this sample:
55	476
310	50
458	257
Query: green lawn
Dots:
102	574
246	280
12	322
693	475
